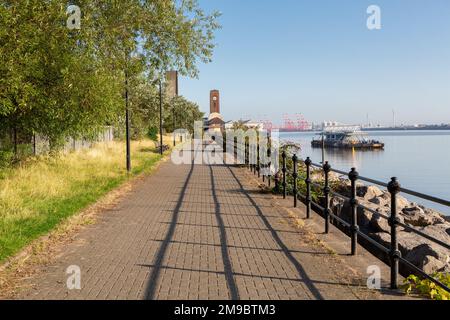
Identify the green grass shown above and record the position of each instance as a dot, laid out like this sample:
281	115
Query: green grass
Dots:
39	194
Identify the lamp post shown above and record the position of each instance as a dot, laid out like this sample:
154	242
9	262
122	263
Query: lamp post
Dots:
160	119
173	118
127	125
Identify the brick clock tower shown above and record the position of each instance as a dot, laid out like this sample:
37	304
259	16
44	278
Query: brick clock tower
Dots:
214	101
215	120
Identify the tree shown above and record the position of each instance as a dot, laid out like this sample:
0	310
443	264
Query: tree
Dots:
60	82
185	113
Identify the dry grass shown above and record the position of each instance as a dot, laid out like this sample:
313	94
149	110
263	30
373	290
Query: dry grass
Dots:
36	196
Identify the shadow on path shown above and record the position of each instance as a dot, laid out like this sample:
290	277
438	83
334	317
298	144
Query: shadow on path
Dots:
306	280
153	280
223	242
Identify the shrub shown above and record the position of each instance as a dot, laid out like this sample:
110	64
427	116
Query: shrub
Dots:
428	287
6	158
153	133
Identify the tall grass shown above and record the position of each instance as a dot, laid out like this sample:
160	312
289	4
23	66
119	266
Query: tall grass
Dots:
41	192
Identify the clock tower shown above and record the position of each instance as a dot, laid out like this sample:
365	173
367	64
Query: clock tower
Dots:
214	101
215	120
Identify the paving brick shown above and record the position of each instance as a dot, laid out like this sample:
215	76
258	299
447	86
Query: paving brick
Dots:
193	232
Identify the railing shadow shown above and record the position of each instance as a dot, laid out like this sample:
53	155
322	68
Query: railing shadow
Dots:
157	264
228	270
299	268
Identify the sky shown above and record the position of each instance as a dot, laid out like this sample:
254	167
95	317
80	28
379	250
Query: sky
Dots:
318	58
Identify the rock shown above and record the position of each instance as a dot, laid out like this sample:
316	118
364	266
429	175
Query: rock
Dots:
317	175
365	216
402	202
381	224
333	176
368	192
437	217
423	253
380	201
407	241
438	231
382	238
428	258
416	216
347	183
432	265
412	211
337	206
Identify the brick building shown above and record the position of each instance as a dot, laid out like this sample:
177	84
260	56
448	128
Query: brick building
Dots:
215	120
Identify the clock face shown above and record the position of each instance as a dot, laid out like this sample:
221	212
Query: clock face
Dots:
215	98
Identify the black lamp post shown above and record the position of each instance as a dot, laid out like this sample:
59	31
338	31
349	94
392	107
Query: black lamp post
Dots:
127	125
173	116
160	119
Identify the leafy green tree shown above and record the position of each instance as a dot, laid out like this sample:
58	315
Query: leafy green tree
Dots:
60	82
181	113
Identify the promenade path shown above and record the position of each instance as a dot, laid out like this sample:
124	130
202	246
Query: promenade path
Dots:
200	232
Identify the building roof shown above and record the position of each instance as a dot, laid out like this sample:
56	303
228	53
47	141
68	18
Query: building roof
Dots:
215	115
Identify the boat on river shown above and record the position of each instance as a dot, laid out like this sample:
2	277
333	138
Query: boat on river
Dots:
345	137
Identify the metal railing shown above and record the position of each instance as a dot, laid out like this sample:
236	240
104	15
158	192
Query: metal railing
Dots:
393	187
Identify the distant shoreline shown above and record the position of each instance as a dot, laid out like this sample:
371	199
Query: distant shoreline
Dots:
427	128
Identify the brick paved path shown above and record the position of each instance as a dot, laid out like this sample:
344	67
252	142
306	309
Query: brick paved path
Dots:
196	232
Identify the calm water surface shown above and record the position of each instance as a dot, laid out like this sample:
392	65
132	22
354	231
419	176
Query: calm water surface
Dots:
420	160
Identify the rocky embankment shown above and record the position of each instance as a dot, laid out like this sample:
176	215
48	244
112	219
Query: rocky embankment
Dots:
423	253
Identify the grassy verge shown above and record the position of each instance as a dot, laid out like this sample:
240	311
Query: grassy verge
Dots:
42	192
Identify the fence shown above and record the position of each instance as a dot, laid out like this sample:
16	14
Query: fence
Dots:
41	144
393	186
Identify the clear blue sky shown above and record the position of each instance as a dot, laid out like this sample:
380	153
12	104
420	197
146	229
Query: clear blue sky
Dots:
317	57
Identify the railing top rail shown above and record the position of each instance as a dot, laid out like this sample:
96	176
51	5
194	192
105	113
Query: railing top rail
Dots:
352	226
426	197
403	190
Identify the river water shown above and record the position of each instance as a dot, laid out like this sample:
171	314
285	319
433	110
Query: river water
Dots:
419	159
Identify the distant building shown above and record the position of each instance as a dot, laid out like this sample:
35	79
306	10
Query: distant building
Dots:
214	101
257	125
215	120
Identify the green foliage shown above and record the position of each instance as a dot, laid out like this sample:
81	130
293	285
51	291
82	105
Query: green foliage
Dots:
180	113
60	82
240	125
290	148
6	159
427	287
153	133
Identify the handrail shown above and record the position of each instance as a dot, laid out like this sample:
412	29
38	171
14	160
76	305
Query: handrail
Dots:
393	187
403	190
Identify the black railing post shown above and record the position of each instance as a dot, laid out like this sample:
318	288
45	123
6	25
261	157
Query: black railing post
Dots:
353	176
245	154
248	155
254	164
276	179
326	192
258	164
269	175
267	171
394	189
294	176
283	156
308	187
